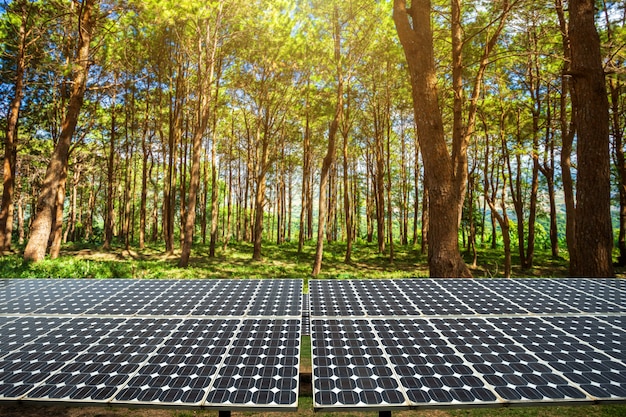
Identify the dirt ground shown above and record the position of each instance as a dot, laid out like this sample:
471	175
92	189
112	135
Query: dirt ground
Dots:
27	410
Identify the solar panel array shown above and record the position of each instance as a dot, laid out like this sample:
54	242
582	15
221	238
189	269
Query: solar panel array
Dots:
228	344
457	342
382	344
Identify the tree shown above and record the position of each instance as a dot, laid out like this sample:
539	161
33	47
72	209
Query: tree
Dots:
414	30
207	44
41	228
594	232
25	12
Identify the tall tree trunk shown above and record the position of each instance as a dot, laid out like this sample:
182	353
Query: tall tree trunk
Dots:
416	197
594	232
229	198
379	180
20	220
329	159
91	205
214	198
547	169
154	230
10	139
40	230
327	164
444	257
306	180
204	198
388	169
206	67
346	199
616	91
71	227
615	87
259	199
214	168
169	168
183	181
462	131
128	196
190	218
144	173
110	203
568	130
56	235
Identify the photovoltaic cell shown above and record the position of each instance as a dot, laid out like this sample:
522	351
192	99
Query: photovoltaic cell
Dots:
430	298
34	300
86	297
152	342
350	368
586	301
527	298
11	289
181	368
29	364
606	334
459	342
620	284
261	367
333	298
480	298
592	370
597	288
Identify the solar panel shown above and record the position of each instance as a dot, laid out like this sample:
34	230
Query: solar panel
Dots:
75	341
153	297
37	298
495	342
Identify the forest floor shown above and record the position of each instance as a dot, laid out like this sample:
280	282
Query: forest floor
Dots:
279	261
306	410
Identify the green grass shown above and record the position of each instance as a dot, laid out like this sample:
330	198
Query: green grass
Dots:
279	261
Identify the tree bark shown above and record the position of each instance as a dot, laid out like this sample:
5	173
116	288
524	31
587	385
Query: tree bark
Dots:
10	140
568	130
379	178
56	235
110	204
214	198
259	199
144	180
346	198
594	232
306	177
40	230
127	225
70	231
214	167
416	36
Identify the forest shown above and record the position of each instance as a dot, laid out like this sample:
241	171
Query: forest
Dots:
442	126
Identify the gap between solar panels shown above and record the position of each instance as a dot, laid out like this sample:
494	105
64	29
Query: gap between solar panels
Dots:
452	343
221	344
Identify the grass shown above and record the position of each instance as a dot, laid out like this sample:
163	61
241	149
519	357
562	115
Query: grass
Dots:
279	261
